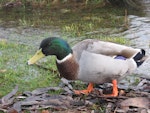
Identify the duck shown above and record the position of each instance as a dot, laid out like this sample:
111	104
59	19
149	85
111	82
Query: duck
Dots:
91	60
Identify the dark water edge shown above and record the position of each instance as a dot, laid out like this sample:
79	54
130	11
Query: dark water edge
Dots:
134	7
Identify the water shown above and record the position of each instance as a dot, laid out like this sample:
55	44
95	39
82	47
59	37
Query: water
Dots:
139	33
146	7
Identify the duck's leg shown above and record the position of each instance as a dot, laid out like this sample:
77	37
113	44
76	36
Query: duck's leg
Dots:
86	91
115	89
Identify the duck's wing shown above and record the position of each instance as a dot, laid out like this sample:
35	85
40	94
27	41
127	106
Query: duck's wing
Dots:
104	48
81	46
98	68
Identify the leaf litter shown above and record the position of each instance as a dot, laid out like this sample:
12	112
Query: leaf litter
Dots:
136	100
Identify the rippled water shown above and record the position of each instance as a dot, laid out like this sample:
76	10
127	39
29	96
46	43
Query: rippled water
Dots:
139	33
146	7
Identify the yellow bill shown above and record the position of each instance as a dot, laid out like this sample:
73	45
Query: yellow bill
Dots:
38	55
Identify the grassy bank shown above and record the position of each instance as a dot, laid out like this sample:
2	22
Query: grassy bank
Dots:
81	20
15	71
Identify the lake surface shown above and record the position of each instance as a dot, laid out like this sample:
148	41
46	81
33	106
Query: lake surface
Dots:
139	33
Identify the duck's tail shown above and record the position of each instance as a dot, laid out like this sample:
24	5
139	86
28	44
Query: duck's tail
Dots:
140	57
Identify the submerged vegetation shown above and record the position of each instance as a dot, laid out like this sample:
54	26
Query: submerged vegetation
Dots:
94	19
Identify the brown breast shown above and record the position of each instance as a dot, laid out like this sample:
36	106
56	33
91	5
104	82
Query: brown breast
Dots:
68	69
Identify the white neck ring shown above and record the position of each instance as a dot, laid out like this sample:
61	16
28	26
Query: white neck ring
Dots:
64	59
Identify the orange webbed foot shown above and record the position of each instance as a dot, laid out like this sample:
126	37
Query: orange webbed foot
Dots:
115	90
86	91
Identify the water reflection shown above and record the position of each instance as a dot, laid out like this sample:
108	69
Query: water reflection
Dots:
146	7
138	7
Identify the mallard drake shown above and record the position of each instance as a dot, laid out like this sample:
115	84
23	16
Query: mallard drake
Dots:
91	61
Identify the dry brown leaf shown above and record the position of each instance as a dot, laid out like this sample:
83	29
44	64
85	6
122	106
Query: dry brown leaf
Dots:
45	111
3	70
9	98
141	102
12	111
109	107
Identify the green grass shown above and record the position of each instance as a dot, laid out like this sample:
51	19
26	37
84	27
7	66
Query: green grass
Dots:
13	60
91	21
83	22
15	71
79	24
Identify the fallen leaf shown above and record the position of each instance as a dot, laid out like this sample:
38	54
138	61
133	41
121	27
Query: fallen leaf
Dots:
45	111
12	111
8	99
40	91
17	106
141	102
3	70
109	107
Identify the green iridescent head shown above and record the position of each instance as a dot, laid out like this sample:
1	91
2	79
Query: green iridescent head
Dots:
52	46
